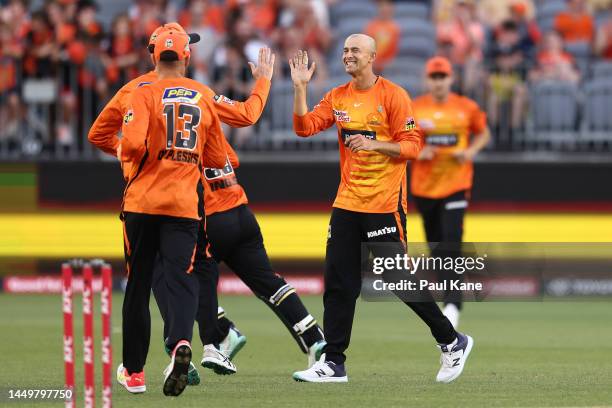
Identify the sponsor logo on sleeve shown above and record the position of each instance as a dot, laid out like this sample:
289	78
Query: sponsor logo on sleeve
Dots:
410	124
223	99
128	117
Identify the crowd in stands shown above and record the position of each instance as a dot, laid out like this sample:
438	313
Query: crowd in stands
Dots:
498	47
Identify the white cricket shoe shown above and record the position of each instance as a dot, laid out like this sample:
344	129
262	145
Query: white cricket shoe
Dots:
315	351
232	343
322	371
217	361
452	314
453	358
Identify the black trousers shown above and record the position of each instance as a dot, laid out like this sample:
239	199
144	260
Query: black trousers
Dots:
207	288
443	223
166	244
235	238
347	231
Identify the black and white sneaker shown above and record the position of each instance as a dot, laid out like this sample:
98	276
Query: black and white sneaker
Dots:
453	358
217	361
322	371
176	374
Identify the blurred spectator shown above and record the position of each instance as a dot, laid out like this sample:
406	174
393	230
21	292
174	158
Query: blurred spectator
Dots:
506	82
301	27
260	14
206	18
494	12
597	5
463	37
529	32
10	106
146	16
122	56
386	32
575	23
40	47
202	13
553	63
231	77
464	32
603	40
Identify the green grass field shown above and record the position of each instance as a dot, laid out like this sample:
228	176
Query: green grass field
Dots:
546	354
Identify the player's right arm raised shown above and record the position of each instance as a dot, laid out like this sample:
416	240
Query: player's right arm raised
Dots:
322	117
247	113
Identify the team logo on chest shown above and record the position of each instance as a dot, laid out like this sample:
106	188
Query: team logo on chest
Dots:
374	119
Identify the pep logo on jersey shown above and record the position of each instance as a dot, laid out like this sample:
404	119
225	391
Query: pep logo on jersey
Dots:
179	94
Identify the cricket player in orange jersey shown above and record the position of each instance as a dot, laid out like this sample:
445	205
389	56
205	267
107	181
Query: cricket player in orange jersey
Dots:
455	131
104	135
170	132
225	199
377	134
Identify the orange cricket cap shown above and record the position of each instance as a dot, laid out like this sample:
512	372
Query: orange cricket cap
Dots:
438	65
193	37
172	45
519	8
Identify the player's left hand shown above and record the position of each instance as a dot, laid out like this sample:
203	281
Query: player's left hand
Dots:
119	152
359	143
463	156
265	64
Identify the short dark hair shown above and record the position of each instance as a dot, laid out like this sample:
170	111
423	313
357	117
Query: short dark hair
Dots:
168	55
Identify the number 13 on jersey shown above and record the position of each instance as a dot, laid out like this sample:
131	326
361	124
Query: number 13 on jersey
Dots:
182	119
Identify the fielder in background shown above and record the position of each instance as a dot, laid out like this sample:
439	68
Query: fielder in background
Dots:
455	131
377	135
169	133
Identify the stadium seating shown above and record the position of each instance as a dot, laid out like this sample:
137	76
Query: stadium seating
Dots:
407	66
350	10
420	47
601	69
597	121
405	10
581	51
417	28
554	112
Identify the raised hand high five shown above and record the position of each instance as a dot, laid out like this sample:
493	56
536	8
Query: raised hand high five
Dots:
265	64
300	73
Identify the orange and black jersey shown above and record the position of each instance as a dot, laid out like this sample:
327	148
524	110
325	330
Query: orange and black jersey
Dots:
104	131
221	189
170	131
370	182
447	126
